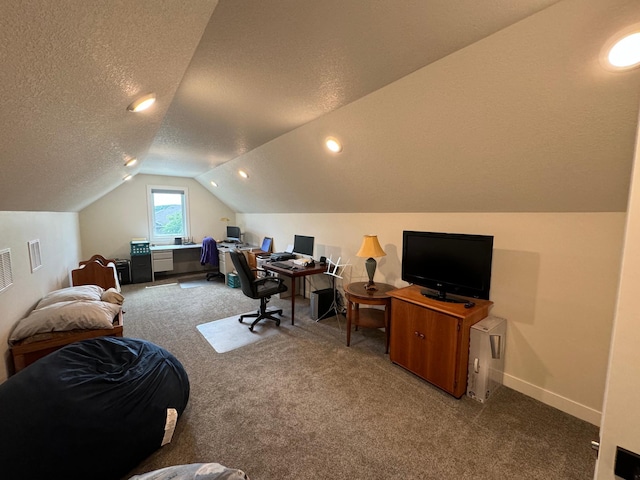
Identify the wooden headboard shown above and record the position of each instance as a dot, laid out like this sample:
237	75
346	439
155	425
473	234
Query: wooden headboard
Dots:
96	271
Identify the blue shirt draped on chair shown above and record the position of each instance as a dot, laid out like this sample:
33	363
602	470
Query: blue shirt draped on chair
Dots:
209	252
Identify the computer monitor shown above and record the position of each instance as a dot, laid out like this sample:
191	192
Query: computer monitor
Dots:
303	245
233	234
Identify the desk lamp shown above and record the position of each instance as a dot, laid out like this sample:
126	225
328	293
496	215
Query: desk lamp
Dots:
370	248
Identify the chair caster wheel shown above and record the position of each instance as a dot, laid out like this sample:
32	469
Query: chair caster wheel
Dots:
278	323
239	320
251	328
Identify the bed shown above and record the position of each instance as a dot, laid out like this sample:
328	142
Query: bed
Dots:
90	308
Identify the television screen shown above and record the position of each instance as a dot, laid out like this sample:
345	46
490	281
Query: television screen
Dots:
303	245
233	233
453	263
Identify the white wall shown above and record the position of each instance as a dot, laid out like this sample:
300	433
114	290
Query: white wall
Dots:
108	225
554	279
621	417
60	251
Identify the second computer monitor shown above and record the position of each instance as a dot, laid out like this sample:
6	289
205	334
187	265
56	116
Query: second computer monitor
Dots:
233	234
303	245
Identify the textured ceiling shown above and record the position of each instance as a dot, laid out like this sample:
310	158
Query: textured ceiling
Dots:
525	120
69	70
265	68
425	94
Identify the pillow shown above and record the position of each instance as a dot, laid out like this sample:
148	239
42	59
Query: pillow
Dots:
81	292
112	296
64	316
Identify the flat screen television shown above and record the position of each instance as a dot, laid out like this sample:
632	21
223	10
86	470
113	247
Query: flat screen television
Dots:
233	234
448	263
303	245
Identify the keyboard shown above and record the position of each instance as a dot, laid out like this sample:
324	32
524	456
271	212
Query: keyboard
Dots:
286	265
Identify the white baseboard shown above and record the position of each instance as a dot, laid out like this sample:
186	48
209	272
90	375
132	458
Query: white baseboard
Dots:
553	399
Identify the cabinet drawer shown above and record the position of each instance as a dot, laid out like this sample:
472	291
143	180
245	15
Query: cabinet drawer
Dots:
163	265
162	260
162	255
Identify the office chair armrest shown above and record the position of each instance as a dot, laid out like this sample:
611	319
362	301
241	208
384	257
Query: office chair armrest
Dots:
263	280
261	270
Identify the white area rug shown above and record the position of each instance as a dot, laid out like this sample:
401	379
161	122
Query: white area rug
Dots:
228	334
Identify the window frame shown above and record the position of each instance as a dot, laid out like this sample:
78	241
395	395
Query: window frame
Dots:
167	238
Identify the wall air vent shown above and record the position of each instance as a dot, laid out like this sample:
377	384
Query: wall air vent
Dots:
6	275
34	255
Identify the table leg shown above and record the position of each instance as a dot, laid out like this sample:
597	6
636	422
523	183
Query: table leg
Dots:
348	321
293	298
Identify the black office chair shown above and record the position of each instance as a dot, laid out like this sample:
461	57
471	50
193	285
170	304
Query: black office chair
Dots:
261	288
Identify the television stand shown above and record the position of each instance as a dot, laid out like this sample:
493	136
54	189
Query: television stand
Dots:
431	338
441	297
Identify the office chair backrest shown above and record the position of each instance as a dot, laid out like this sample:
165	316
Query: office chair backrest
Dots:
243	269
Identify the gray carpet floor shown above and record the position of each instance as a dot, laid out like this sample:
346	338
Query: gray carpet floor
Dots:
303	405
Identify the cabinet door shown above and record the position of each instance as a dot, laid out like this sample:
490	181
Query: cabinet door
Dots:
425	342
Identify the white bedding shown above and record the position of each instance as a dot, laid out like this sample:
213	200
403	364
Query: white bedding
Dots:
67	309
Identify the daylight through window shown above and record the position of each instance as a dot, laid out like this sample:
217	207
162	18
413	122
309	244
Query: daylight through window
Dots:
168	213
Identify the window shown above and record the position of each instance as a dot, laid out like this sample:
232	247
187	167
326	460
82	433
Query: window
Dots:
168	213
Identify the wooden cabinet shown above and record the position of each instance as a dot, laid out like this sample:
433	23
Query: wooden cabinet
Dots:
431	338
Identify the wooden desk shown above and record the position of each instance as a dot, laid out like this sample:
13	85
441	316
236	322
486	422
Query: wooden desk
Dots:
368	317
298	271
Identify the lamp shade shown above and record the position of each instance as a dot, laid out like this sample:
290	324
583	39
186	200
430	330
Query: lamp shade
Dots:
370	247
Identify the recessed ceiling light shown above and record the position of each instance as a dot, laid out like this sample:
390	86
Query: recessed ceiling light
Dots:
214	183
142	103
333	144
131	162
127	177
625	53
243	174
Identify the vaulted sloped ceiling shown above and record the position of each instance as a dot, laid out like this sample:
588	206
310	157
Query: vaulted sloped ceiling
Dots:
441	106
69	69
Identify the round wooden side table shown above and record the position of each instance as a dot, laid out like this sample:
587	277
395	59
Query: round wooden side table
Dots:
368	317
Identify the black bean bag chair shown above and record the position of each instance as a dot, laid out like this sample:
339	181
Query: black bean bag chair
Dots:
93	409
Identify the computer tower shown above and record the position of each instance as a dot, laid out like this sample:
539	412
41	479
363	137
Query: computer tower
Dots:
321	301
486	357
